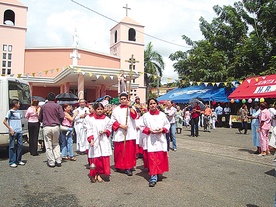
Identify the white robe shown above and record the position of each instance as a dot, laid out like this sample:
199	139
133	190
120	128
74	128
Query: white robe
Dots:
102	145
141	139
156	142
82	144
119	115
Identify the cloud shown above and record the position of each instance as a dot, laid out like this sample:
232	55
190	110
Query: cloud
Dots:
52	23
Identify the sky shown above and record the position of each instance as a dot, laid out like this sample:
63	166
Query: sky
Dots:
51	23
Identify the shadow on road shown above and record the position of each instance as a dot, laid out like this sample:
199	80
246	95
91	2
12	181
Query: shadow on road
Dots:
247	150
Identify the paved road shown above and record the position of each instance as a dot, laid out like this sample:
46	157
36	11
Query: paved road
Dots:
214	169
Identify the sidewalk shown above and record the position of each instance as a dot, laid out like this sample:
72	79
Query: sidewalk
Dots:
224	142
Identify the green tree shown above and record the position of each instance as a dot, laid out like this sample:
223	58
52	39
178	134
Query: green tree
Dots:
239	42
153	64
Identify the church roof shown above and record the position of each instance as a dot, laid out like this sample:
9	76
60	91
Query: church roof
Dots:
130	21
14	2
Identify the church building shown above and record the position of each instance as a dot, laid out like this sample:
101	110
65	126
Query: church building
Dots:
87	74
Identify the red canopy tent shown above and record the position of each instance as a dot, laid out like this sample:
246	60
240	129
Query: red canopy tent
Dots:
256	87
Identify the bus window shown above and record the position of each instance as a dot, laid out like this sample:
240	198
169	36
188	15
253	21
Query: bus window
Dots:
21	92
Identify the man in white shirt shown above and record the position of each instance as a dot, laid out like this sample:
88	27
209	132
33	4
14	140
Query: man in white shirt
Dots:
170	112
82	111
272	141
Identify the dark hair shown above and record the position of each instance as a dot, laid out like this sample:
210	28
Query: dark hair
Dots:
35	102
65	106
123	94
97	105
264	105
170	101
256	104
14	102
244	105
152	99
51	96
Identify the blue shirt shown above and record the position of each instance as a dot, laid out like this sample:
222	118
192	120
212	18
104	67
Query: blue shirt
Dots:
219	110
14	120
256	114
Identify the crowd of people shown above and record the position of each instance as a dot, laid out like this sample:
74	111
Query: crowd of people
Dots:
131	131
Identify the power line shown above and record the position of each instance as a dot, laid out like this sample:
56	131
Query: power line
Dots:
157	38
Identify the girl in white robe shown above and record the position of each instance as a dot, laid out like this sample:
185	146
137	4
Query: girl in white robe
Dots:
139	148
156	125
98	131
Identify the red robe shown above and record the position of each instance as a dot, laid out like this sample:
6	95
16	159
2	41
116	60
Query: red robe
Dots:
124	151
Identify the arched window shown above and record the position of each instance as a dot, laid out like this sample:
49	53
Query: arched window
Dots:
9	17
131	34
115	37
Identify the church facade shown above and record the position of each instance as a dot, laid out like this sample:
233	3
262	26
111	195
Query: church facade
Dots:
88	74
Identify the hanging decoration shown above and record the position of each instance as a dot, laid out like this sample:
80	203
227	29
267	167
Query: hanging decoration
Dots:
154	76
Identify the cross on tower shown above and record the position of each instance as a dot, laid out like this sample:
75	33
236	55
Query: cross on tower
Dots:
127	8
132	61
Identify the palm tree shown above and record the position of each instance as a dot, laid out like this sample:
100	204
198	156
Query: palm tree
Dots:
153	64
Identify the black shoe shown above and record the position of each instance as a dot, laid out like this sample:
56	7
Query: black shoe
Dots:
129	172
152	184
58	164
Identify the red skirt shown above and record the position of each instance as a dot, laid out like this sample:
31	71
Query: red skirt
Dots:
125	156
102	165
145	159
158	162
139	150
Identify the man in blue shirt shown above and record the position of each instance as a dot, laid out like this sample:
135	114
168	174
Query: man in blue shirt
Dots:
13	122
219	111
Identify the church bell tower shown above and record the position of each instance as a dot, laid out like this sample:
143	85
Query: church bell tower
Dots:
13	29
127	39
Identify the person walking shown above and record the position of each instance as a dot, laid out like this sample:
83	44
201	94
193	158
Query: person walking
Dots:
265	124
195	113
82	111
156	125
124	135
170	111
272	140
207	118
219	111
33	126
244	119
187	117
178	120
66	138
98	128
214	119
227	111
255	124
13	122
51	116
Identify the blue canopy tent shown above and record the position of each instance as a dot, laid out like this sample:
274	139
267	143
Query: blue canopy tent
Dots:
206	93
